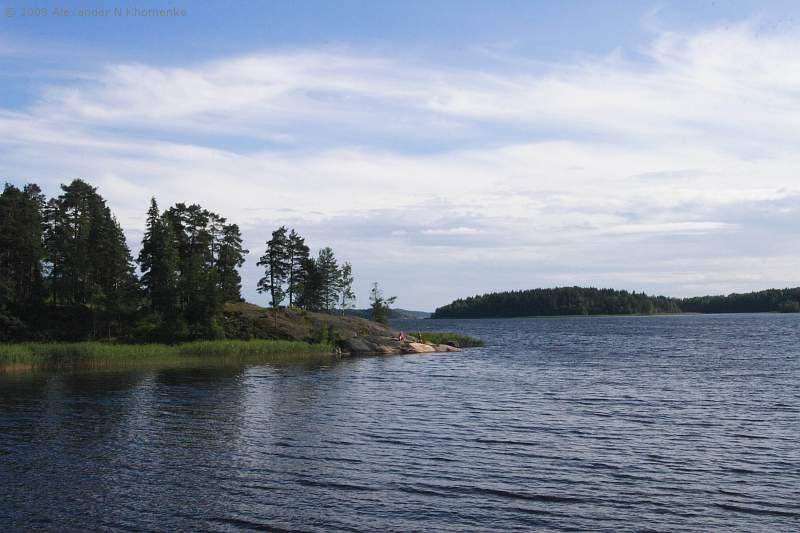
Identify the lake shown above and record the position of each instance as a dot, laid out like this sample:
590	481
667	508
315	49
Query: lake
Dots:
661	423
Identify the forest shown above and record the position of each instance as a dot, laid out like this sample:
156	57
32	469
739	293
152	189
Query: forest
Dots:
592	301
67	273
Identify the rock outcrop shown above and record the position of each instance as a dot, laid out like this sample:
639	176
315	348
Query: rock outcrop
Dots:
352	335
375	344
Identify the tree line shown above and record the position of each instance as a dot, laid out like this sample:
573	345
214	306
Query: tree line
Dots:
312	283
554	302
767	301
591	301
66	271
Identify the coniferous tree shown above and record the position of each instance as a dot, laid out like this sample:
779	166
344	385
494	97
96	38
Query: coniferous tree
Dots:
149	251
67	239
558	301
276	267
329	278
21	247
230	258
89	261
158	262
165	282
310	285
297	252
380	305
194	246
209	251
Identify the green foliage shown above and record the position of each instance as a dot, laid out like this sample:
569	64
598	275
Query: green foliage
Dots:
277	265
189	262
230	257
558	301
380	305
591	301
310	289
89	259
66	272
21	246
325	334
328	272
344	287
315	284
451	339
158	262
69	355
771	300
297	253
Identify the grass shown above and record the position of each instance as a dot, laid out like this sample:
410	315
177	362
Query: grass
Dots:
451	339
90	354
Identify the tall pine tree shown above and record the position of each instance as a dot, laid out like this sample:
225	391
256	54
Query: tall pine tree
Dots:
276	267
230	258
297	252
158	262
21	246
89	261
329	278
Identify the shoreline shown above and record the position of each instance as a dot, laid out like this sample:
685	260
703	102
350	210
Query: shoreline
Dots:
626	315
90	354
23	356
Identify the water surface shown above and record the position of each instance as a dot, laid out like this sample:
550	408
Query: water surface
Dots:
643	423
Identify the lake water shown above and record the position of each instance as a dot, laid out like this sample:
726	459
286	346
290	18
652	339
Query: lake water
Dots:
688	423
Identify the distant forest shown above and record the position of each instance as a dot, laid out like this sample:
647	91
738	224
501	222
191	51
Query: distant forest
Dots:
394	314
590	301
66	271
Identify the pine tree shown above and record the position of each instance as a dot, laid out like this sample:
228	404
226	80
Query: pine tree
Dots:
165	269
380	305
329	277
230	257
21	247
276	267
149	252
90	263
158	262
309	285
194	245
298	253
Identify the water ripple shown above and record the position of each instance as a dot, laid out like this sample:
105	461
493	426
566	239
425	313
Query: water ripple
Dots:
683	423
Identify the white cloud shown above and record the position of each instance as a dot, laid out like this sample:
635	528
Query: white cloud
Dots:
407	167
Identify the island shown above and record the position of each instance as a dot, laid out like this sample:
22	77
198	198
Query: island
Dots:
570	301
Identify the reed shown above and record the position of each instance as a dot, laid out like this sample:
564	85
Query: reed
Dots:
78	354
451	339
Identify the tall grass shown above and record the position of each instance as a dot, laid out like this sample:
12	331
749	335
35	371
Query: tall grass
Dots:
78	354
451	339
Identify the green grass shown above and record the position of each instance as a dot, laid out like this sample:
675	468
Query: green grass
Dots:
452	339
89	354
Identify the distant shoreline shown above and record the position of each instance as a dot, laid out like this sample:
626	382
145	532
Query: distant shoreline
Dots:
590	301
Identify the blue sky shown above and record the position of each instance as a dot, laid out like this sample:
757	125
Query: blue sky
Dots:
444	148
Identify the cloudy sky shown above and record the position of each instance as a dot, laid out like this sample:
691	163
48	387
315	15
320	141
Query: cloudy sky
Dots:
443	148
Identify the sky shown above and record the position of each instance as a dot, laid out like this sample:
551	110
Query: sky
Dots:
444	148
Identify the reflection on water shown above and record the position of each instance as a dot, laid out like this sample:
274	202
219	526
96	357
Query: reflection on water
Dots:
686	423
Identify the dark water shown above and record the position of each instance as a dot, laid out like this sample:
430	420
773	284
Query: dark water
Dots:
660	423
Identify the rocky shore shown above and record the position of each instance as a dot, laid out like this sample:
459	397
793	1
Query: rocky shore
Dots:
351	335
375	344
